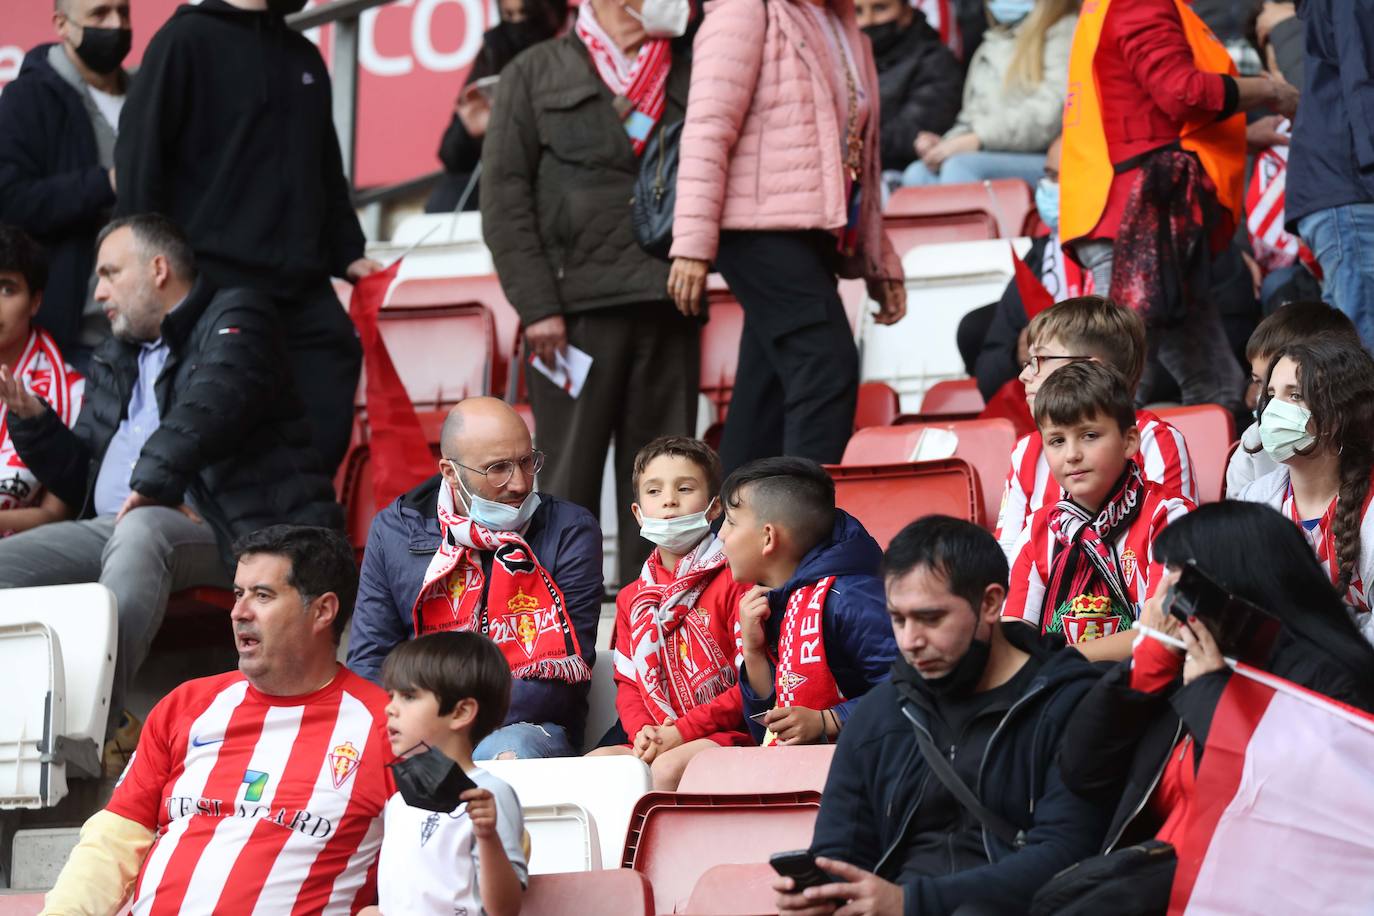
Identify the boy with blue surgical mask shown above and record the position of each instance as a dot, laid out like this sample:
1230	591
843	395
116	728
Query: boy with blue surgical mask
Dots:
675	659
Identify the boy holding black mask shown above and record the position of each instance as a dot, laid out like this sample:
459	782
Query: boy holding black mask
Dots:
443	854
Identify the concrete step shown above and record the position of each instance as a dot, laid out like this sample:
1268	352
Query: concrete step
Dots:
39	854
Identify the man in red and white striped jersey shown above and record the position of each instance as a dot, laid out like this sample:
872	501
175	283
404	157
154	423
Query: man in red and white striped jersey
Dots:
259	790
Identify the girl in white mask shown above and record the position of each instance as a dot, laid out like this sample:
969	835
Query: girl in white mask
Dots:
1317	420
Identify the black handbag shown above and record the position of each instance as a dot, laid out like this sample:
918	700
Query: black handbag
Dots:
1134	881
655	195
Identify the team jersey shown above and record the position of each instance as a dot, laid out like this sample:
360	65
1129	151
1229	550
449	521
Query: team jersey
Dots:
261	804
42	372
1163	459
1085	617
1276	490
429	861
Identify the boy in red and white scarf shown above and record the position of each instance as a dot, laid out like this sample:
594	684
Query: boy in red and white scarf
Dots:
675	660
1085	565
29	358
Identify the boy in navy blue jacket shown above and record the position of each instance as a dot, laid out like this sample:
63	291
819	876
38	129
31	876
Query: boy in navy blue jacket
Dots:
814	633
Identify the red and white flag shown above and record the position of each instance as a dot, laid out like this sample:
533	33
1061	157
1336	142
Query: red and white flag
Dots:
1274	247
1283	816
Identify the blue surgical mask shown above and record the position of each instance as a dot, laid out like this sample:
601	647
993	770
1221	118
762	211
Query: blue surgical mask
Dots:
1010	12
1047	202
499	516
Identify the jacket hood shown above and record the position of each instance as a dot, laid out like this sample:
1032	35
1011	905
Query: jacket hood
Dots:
849	551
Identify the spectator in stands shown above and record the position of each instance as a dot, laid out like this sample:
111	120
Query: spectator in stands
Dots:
779	186
674	643
1317	421
524	23
1154	159
31	358
186	814
992	695
1136	741
1296	322
228	132
1013	99
918	79
817	572
474	548
1084	566
191	436
58	123
448	692
1330	200
559	170
1088	328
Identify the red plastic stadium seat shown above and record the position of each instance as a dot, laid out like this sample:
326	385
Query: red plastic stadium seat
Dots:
720	350
887	497
447	292
985	444
878	405
758	769
194	602
1007	202
675	837
610	892
442	353
908	232
734	890
1209	430
957	396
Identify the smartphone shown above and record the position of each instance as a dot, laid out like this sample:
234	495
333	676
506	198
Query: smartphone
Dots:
800	866
487	86
758	716
1242	629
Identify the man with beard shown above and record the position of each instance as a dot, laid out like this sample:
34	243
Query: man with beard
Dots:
191	436
971	718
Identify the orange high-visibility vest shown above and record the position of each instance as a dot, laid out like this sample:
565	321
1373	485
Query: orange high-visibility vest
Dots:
1087	168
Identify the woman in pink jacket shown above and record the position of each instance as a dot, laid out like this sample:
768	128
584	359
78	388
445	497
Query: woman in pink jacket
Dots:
778	184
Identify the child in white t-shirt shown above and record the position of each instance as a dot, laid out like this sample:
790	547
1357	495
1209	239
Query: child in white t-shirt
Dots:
448	692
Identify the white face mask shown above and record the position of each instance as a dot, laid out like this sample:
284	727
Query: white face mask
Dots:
662	18
498	516
676	535
1283	429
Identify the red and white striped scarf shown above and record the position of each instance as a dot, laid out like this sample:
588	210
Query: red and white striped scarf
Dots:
678	663
42	372
803	675
642	81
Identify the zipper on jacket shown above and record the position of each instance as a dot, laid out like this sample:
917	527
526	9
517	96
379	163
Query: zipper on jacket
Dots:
987	751
1145	799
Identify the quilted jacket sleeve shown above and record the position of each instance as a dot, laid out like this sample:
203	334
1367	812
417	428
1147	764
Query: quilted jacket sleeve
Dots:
1036	117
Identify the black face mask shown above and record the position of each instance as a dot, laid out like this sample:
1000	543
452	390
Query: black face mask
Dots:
506	39
285	7
103	50
966	673
884	37
431	781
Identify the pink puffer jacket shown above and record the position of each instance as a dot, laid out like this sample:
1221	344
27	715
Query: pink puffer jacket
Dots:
761	148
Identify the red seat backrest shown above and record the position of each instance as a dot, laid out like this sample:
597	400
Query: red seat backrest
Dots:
442	353
609	892
734	890
758	769
446	292
720	350
885	498
878	405
1007	202
954	396
1209	430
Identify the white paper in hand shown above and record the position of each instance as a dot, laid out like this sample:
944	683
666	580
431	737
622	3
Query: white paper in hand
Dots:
569	370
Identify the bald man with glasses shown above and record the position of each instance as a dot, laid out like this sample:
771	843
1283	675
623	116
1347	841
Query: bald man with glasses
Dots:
475	548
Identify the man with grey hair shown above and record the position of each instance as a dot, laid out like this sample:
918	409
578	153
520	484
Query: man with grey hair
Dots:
58	125
191	436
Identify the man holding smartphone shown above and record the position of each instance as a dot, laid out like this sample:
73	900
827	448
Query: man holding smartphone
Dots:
944	795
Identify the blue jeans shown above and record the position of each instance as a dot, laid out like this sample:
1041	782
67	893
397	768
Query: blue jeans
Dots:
1342	238
526	741
966	167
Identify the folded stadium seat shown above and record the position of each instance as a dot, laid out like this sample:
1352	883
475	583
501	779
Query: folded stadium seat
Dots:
563	838
454	292
59	642
1209	430
943	283
1008	202
607	788
720	770
985	444
887	497
734	890
674	837
610	892
442	353
878	405
957	397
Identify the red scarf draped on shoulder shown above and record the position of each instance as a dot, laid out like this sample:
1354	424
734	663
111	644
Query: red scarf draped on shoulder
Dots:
524	612
803	676
641	81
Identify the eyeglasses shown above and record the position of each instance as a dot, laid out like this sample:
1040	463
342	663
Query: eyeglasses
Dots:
500	473
1037	363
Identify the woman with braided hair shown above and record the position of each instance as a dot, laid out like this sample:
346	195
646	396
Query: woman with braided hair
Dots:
1317	421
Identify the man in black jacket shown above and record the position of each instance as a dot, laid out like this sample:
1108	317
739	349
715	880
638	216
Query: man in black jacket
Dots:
58	123
989	699
228	132
191	436
920	81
